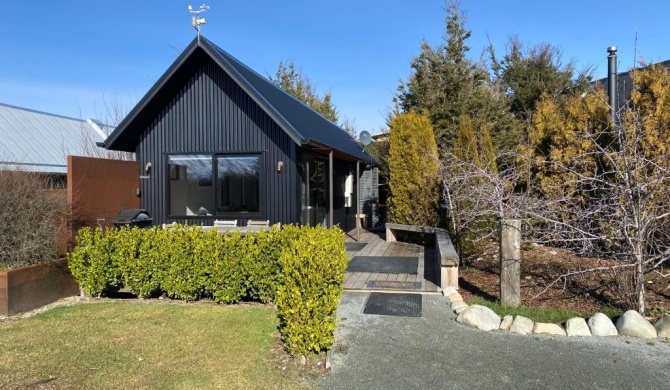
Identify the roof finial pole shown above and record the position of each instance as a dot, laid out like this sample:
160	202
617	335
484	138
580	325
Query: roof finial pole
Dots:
196	20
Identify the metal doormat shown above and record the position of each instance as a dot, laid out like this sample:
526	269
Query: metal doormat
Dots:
355	246
389	304
390	285
384	264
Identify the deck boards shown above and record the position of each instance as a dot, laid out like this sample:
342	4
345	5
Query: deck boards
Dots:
377	246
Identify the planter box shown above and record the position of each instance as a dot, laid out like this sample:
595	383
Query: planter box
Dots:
27	288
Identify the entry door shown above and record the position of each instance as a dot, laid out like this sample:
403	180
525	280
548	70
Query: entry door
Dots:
314	191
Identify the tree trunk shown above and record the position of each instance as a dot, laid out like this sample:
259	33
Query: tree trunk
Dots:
510	262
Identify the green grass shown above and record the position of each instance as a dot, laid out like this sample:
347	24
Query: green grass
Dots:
538	314
124	345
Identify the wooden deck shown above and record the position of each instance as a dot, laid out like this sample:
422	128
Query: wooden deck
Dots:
377	246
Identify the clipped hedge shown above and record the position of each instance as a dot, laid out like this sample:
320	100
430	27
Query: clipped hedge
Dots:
307	299
300	268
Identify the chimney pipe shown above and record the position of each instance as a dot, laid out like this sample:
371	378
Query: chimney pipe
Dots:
612	80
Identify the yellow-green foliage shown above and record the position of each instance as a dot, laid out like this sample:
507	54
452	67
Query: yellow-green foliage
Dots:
466	148
304	265
92	264
649	117
562	143
413	171
313	271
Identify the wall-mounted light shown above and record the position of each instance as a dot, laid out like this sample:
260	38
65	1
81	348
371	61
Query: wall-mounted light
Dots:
280	166
147	167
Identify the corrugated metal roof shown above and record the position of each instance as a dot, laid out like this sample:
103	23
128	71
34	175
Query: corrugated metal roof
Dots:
41	141
300	122
310	125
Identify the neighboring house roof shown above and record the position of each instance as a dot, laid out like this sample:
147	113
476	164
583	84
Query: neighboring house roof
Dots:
304	125
41	142
381	136
625	83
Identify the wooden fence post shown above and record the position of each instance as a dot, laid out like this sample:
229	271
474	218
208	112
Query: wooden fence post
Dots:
510	262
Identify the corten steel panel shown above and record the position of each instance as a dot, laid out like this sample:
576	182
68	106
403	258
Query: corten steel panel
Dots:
4	309
212	114
100	188
28	288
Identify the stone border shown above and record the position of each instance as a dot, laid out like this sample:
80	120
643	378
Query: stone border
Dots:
446	254
631	323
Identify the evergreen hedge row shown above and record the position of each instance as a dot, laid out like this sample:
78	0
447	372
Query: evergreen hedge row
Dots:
301	269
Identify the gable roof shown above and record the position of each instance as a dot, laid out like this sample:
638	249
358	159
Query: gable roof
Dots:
40	142
304	125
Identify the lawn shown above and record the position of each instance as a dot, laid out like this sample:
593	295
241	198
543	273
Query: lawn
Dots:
144	345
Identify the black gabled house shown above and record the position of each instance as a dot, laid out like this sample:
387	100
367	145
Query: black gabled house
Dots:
216	140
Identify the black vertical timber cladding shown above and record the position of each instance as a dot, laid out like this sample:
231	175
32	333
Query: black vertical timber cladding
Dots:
370	195
212	114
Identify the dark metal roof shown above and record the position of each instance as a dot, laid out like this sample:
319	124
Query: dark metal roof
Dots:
304	125
625	83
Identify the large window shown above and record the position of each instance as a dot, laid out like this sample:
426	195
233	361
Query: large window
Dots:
206	185
238	183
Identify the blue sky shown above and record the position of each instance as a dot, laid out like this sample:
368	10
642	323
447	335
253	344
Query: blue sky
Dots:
69	56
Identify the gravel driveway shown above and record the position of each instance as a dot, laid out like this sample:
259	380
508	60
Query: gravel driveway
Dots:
435	352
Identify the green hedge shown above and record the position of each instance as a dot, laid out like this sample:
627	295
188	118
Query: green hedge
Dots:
299	268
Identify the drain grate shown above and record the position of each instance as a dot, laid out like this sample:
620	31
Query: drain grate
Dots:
390	285
384	265
355	246
401	305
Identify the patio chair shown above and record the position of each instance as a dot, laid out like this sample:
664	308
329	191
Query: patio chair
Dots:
230	222
259	223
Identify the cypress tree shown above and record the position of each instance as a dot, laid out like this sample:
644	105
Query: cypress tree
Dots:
413	171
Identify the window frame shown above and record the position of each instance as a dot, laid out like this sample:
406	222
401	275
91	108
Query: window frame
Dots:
260	214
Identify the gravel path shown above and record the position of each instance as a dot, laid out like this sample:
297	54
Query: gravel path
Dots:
386	352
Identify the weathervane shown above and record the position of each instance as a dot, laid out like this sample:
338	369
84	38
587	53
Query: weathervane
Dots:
196	20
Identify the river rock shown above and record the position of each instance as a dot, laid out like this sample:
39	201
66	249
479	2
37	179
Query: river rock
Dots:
577	327
449	290
458	304
480	317
601	325
455	297
506	322
461	308
663	327
631	323
542	328
521	325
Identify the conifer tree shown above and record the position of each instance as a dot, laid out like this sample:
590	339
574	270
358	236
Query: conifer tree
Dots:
445	85
291	79
413	171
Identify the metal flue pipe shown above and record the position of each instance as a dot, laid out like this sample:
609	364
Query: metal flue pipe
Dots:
612	81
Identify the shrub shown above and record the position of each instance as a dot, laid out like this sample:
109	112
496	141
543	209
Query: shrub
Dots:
178	261
228	272
299	268
313	270
32	216
91	262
